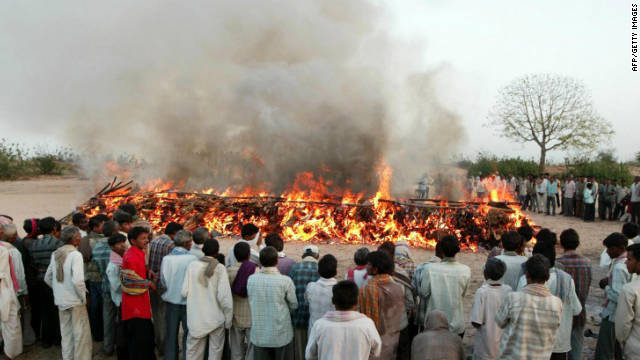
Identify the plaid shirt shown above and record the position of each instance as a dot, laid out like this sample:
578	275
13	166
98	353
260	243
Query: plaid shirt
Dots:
158	249
579	267
100	257
303	273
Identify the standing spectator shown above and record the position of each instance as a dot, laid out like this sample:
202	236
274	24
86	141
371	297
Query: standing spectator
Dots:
552	191
511	243
421	308
80	221
136	306
302	274
486	303
402	258
532	195
608	347
319	293
239	273
117	244
610	199
200	235
30	312
250	234
437	342
522	192
158	249
602	199
101	255
284	263
579	267
124	220
632	232
621	193
382	300
579	197
541	193
271	296
65	274
9	306
589	203
530	317
344	333
172	277
40	253
627	322
445	284
209	304
635	200
358	274
568	201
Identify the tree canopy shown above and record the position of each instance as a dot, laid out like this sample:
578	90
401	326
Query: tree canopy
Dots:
553	111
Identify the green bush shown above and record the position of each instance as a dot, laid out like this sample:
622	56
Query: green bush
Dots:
604	166
47	165
488	164
16	162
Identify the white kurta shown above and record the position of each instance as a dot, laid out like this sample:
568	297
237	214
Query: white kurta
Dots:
9	319
628	320
355	339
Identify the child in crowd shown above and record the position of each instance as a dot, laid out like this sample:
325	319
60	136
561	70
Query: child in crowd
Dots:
358	274
118	246
627	322
284	263
319	293
511	243
487	301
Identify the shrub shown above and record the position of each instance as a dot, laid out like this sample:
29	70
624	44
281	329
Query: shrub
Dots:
487	164
604	166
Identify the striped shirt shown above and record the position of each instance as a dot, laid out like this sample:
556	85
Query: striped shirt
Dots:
158	249
40	252
271	297
302	274
579	267
530	319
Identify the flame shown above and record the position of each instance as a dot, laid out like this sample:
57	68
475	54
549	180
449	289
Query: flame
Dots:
494	196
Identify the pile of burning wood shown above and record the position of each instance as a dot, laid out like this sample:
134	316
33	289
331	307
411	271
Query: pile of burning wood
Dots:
321	219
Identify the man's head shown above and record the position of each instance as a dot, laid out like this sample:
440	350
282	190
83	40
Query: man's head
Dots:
537	269
494	269
630	230
110	228
616	244
438	250
547	236
389	248
269	256
345	295
211	247
172	229
310	250
360	256
183	238
71	236
117	243
242	251
511	241
275	241
633	259
623	182
47	225
569	239
200	235
328	266
248	231
30	226
80	221
589	186
57	229
379	262
547	249
9	233
129	208
139	237
526	232
636	179
124	220
96	223
450	246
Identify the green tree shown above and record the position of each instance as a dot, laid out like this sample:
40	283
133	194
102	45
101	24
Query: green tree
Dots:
555	112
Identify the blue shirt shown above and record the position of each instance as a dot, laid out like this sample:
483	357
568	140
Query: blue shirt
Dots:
552	188
172	273
303	273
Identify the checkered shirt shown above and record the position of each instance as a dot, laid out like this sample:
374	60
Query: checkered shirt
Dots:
100	256
579	267
158	249
302	274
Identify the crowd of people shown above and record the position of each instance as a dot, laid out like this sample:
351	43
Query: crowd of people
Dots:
579	197
110	280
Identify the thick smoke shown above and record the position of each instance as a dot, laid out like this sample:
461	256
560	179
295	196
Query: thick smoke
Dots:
243	92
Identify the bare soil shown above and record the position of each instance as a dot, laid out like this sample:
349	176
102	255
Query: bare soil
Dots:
57	196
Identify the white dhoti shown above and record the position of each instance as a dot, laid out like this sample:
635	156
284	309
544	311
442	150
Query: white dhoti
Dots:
12	333
196	346
9	306
76	333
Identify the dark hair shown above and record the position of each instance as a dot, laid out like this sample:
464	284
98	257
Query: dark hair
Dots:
242	251
450	245
58	226
389	248
269	256
526	232
248	230
511	241
569	239
172	228
382	261
547	249
27	226
615	240
547	236
328	266
494	269
274	240
78	217
117	238
129	208
122	217
136	231
537	267
634	250
589	186
630	230
109	228
95	221
438	249
210	247
360	256
345	295
200	235
220	257
46	225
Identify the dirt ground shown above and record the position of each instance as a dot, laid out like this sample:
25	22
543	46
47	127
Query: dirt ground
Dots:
58	196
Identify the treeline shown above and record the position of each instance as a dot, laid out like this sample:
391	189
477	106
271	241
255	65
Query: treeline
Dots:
17	161
602	166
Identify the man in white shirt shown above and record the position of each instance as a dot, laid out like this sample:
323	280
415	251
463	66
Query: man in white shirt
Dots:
541	192
65	275
635	200
319	292
251	235
209	303
172	275
200	235
343	333
568	201
627	324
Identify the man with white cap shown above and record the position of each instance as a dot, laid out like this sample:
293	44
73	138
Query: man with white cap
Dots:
303	273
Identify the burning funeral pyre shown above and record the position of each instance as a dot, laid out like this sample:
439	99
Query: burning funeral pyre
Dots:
306	213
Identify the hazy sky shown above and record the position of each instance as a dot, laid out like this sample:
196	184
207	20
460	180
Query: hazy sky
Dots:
475	46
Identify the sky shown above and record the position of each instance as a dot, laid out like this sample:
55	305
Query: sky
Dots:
473	47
